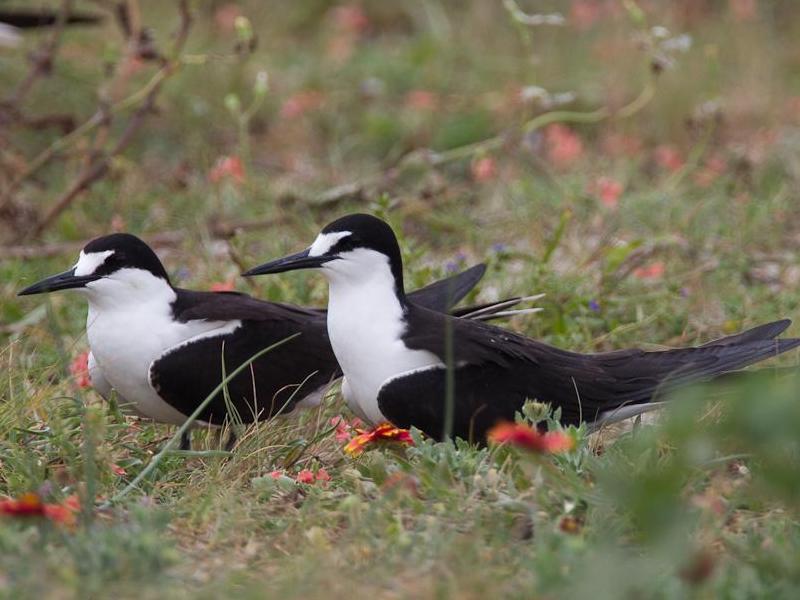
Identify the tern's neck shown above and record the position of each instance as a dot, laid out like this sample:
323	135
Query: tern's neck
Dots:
130	289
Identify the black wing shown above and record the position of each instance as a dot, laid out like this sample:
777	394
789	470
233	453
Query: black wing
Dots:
444	294
184	375
498	370
439	296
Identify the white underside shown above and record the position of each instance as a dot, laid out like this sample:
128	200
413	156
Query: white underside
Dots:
365	325
129	325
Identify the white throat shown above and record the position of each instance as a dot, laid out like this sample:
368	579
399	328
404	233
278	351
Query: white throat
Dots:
365	325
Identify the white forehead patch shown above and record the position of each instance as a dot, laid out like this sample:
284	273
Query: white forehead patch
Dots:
326	241
89	263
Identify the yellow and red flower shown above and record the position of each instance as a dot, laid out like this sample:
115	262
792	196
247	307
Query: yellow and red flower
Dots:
529	438
382	432
31	505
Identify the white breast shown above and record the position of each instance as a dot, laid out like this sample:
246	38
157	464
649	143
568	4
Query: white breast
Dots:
126	337
365	325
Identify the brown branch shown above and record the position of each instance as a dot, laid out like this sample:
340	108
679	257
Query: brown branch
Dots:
100	162
44	56
216	230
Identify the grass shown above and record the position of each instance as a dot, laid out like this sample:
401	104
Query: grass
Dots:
698	242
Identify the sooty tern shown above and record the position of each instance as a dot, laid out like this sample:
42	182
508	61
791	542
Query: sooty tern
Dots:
394	352
160	347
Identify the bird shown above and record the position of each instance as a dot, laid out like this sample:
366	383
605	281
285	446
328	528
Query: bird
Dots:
160	347
411	366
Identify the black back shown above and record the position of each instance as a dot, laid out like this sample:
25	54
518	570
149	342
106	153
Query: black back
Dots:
184	376
499	370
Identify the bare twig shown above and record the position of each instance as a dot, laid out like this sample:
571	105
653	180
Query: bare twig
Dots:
99	163
44	56
164	239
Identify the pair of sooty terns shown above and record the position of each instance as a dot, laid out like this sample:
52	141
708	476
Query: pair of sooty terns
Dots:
160	348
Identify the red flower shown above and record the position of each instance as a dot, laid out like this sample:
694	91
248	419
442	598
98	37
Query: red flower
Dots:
563	145
484	169
223	286
117	470
608	190
668	157
305	476
31	505
652	271
384	431
79	369
276	474
227	167
524	436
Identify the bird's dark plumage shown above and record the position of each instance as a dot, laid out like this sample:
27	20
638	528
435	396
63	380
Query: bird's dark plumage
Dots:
497	370
306	359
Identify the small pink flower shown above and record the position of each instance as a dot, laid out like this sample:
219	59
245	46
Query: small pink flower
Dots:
79	369
711	171
322	475
652	271
300	103
667	157
607	190
585	13
351	18
227	167
223	286
484	169
422	100
564	146
305	476
743	10
117	470
276	474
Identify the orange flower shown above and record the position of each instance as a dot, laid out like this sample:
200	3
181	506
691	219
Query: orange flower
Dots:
384	431
31	505
79	369
227	167
524	436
